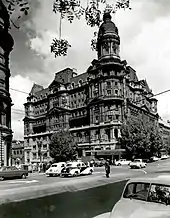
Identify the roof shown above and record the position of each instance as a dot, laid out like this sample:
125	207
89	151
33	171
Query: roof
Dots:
164	123
160	178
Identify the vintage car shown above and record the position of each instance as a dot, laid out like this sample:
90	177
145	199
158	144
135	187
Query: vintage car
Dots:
137	163
55	169
122	162
76	169
143	197
7	172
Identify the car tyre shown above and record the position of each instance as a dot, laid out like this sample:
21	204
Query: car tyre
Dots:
91	172
119	164
1	178
75	174
24	176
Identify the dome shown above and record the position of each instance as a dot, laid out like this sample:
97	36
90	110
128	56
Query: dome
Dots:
107	27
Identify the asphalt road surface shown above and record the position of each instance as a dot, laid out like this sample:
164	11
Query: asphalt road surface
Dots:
38	185
81	197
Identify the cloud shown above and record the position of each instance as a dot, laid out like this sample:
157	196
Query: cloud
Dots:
18	98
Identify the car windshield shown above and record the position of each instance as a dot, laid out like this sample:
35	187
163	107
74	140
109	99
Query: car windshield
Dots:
69	165
137	160
2	168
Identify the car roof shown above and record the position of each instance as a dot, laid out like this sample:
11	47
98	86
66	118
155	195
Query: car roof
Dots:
159	178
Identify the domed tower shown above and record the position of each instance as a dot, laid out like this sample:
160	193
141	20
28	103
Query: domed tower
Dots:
108	41
6	45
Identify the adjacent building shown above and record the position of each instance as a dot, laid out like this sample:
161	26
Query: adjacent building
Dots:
164	128
92	105
17	155
6	45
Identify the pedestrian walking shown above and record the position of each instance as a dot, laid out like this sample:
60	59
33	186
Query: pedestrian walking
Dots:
107	168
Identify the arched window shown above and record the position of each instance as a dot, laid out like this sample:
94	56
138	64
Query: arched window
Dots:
72	85
80	82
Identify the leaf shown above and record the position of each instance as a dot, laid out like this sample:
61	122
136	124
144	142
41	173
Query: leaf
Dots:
22	9
26	12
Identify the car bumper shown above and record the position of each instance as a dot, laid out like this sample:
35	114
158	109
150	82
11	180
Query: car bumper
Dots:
52	174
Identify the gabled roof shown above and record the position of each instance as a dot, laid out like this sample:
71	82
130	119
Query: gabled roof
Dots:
36	88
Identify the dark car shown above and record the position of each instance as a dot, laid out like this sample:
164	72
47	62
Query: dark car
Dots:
12	172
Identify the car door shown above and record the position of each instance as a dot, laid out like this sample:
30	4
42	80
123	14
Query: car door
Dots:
15	172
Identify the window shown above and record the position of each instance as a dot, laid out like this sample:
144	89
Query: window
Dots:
109	92
116	133
159	194
115	83
116	91
137	191
34	147
108	84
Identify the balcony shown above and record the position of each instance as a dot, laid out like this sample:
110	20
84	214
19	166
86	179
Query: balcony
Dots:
113	97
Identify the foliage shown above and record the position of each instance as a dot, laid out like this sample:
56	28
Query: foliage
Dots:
71	9
140	137
13	5
63	146
59	47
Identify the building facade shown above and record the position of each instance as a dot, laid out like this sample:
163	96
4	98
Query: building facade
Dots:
6	45
17	155
92	105
164	128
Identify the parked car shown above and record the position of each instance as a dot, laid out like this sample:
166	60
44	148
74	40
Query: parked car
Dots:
11	172
55	169
154	158
137	163
164	157
99	163
122	162
146	196
76	169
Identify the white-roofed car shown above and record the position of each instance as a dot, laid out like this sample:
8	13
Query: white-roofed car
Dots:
76	168
122	162
55	169
137	163
143	197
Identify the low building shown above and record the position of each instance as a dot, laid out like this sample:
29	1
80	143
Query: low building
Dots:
164	128
92	105
17	152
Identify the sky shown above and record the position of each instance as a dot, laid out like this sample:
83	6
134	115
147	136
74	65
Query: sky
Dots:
145	44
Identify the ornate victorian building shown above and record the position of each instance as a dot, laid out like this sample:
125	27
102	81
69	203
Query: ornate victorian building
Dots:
92	105
6	45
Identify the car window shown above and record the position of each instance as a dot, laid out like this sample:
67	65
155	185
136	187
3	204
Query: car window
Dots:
78	165
159	194
54	165
62	165
137	191
137	160
14	168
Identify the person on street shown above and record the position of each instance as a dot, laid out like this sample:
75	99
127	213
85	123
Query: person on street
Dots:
107	168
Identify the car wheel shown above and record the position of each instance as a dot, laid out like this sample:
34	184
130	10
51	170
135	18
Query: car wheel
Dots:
119	164
23	176
75	174
1	178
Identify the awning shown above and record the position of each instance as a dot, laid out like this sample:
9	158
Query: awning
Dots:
110	152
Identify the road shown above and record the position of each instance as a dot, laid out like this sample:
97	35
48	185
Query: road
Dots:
38	185
84	197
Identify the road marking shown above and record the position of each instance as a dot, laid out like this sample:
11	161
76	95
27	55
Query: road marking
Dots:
22	181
